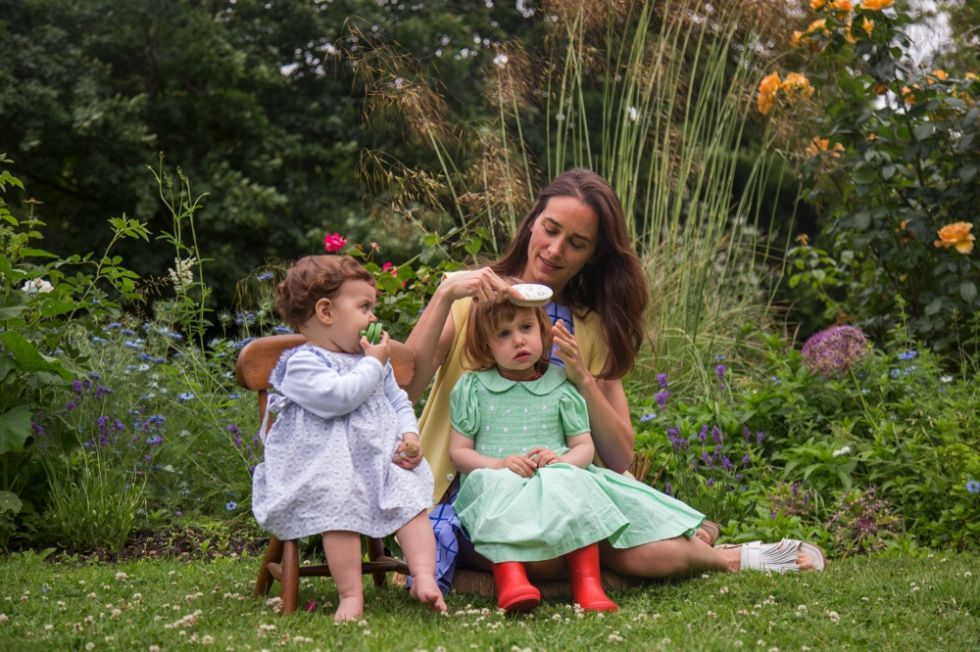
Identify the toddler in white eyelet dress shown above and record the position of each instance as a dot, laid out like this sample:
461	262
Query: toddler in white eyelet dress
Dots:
343	459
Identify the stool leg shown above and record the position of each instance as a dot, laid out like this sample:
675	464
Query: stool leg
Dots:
273	555
376	550
289	583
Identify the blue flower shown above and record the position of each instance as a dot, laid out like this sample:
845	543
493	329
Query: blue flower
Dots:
973	486
282	330
895	373
908	355
129	332
136	343
183	397
98	340
154	440
649	416
176	337
233	396
231	505
264	276
113	325
156	420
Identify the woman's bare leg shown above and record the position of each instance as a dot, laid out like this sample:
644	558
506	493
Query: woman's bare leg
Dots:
343	552
419	545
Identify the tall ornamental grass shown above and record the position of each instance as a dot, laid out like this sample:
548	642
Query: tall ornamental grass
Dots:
653	96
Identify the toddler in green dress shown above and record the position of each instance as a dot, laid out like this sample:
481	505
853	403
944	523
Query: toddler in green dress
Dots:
529	490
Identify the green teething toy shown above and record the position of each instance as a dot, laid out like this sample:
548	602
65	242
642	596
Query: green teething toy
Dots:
372	332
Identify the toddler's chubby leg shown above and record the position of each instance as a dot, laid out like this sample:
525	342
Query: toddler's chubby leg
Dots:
419	545
343	551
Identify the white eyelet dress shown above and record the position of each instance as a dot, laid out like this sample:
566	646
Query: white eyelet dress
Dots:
328	457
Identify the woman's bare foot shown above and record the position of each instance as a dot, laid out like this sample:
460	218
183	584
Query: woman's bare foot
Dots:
349	609
424	589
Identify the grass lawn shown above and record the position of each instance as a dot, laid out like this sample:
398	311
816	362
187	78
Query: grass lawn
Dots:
864	603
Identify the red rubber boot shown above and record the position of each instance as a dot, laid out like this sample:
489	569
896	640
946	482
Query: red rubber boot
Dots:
583	566
514	591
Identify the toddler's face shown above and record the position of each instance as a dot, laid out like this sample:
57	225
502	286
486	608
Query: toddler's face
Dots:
352	310
516	346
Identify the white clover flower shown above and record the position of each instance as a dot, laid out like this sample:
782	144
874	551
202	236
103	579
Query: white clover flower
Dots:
37	286
842	451
500	60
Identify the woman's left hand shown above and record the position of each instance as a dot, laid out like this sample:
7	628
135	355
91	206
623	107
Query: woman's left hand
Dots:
409	453
569	353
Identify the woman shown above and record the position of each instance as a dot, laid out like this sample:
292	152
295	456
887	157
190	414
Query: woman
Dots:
574	240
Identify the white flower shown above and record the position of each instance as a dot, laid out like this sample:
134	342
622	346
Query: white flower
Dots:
398	83
633	115
182	273
37	286
500	60
946	378
842	451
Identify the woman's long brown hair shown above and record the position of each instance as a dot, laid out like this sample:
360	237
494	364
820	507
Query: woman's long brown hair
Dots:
612	283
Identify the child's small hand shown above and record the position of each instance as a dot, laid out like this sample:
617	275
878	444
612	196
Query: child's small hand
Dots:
409	453
522	465
379	351
542	457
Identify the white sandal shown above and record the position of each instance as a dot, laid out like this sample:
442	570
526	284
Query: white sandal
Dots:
779	557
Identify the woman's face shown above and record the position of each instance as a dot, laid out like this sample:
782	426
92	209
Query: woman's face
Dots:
563	238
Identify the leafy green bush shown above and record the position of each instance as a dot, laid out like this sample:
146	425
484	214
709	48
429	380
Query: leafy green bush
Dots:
892	159
892	420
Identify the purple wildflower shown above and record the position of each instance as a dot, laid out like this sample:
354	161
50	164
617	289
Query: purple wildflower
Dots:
118	425
746	433
662	380
727	463
833	351
746	459
759	436
154	440
668	489
76	386
711	482
716	435
71	405
37	428
706	459
703	435
661	398
720	371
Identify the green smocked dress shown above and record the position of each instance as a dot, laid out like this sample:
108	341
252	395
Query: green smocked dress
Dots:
562	507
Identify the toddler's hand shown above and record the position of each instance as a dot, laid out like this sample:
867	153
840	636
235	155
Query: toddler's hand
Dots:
522	465
409	453
379	351
542	457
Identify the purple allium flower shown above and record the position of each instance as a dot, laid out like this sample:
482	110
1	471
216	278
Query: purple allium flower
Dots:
832	352
973	486
662	380
661	398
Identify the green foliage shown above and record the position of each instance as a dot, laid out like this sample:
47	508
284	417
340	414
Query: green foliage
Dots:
893	162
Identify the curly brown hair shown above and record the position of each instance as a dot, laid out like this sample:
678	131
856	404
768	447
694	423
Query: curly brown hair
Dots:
312	278
481	330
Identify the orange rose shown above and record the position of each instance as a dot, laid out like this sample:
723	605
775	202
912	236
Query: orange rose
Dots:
768	88
956	235
876	5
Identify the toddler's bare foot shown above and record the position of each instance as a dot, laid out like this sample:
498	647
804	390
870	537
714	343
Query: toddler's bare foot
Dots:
424	589
349	609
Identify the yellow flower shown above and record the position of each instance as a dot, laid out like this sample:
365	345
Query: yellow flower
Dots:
794	40
939	74
768	88
908	95
876	5
970	76
838	148
867	25
803	239
956	235
820	145
817	4
796	85
820	23
843	6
